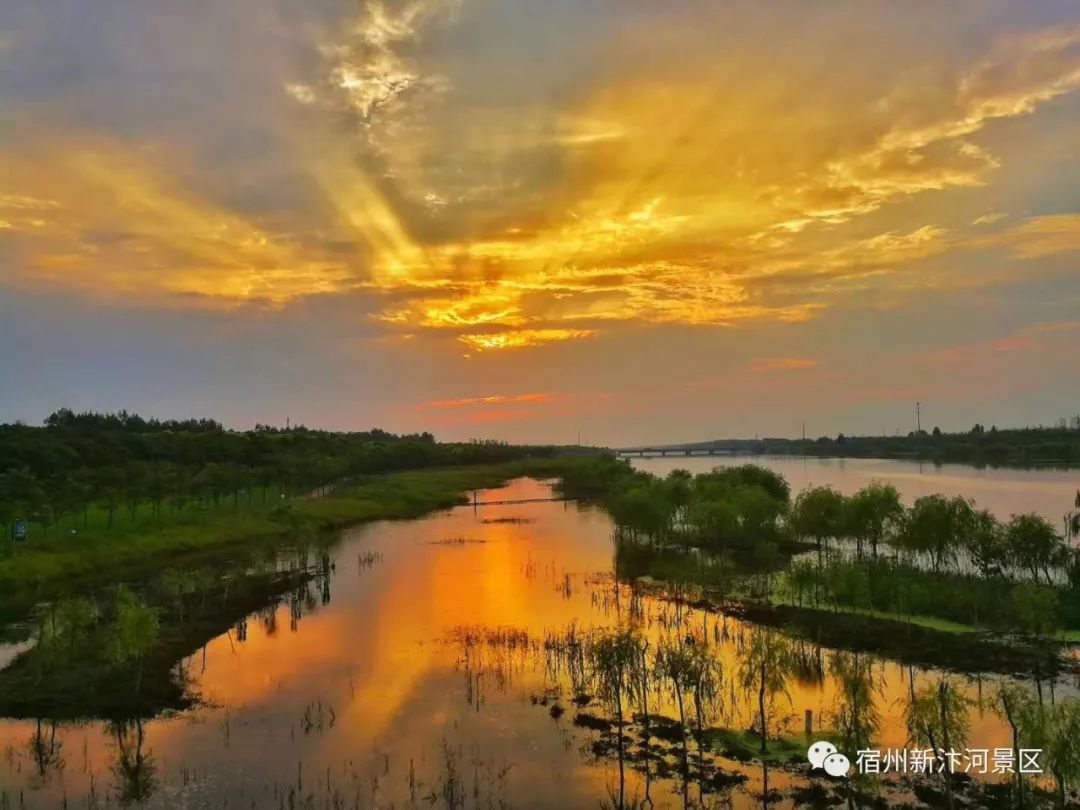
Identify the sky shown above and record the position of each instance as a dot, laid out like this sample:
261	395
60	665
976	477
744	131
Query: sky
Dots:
616	220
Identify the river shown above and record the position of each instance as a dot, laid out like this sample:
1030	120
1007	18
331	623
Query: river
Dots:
419	673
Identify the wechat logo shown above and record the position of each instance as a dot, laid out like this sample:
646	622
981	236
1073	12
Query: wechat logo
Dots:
824	755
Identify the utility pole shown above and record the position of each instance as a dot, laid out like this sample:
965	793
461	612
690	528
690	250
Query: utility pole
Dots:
918	417
804	430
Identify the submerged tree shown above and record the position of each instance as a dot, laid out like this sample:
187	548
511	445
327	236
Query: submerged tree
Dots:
857	716
937	716
765	668
1016	705
674	664
1062	747
614	660
1054	730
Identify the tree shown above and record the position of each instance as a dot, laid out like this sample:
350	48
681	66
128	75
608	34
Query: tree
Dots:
614	658
1062	747
109	489
1015	705
818	513
765	668
872	512
674	663
643	507
1035	609
935	526
858	718
985	544
937	716
1034	546
754	475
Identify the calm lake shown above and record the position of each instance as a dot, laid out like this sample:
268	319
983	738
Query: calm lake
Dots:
423	669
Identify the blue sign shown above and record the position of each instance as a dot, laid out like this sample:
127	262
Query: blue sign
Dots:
19	529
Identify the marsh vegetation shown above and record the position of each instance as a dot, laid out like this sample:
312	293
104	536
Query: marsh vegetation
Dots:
666	656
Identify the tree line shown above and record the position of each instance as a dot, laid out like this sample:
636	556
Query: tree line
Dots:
122	463
940	556
979	445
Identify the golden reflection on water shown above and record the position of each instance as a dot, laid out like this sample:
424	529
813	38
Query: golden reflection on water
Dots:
351	697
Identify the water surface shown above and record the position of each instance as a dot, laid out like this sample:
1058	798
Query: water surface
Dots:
418	670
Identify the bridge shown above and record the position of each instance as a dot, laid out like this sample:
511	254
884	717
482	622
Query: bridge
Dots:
660	452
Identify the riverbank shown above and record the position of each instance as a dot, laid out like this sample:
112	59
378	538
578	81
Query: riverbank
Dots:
52	566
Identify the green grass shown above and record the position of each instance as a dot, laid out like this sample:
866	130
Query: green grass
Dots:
918	620
929	622
746	745
46	564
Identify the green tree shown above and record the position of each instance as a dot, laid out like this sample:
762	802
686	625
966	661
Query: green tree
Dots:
936	526
766	667
1035	610
1062	748
1016	705
1034	546
818	513
872	513
937	716
674	664
857	716
986	546
614	659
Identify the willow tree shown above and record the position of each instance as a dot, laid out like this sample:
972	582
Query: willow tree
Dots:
818	513
857	716
614	657
872	513
766	667
937	716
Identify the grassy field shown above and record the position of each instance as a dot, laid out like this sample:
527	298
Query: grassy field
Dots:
47	563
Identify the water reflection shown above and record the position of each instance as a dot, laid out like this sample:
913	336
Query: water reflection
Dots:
133	769
418	669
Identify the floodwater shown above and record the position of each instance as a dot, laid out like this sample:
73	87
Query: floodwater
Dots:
420	679
1005	491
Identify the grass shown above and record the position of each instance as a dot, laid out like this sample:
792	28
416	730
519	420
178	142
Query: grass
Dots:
929	622
47	564
745	745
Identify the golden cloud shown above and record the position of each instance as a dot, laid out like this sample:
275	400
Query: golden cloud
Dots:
522	337
683	188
